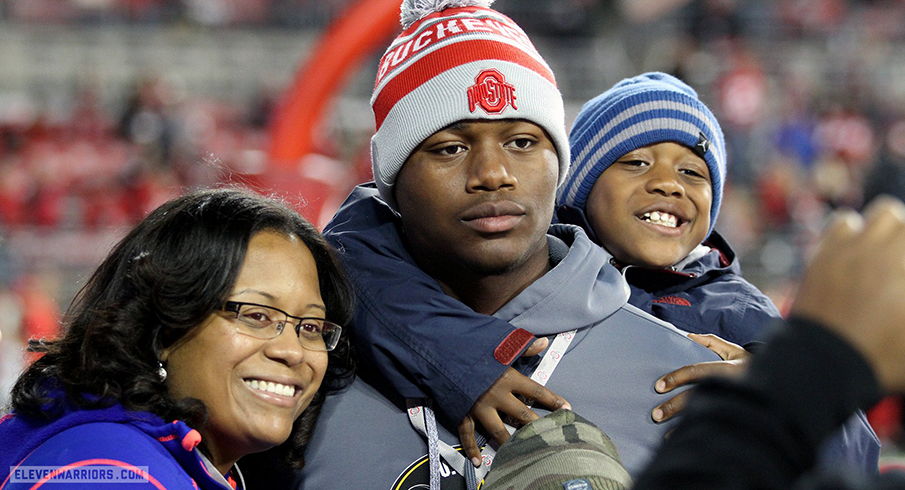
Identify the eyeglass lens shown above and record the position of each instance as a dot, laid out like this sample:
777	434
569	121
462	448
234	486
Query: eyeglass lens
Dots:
265	322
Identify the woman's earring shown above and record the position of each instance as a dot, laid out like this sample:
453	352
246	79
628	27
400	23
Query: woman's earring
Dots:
161	371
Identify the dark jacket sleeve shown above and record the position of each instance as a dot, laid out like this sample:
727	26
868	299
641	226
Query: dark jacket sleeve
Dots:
420	341
763	431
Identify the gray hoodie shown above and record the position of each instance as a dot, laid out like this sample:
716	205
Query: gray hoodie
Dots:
365	441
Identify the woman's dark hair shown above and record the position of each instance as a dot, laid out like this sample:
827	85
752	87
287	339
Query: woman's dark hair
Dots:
160	282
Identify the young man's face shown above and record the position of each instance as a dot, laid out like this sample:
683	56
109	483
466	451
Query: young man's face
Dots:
652	206
478	196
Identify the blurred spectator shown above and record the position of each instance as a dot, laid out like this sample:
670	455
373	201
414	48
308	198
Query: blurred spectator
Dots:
793	135
149	119
16	185
812	16
845	133
713	20
12	346
741	93
777	183
40	313
888	174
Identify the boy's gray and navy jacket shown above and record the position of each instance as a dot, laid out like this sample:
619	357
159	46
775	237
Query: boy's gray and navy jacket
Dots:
364	438
708	295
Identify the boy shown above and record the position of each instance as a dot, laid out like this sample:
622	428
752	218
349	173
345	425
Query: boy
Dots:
646	182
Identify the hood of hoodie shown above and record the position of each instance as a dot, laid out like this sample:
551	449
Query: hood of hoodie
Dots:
22	434
584	271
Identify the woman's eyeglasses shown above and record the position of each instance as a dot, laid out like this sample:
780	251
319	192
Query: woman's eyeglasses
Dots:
266	322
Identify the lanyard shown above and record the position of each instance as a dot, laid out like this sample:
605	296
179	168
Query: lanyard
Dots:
422	418
552	357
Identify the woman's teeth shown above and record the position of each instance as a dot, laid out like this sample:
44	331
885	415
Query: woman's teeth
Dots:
662	219
271	387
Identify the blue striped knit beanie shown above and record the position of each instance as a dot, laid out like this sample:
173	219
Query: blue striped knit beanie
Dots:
650	108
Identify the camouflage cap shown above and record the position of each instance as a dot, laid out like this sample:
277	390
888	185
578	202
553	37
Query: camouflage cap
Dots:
561	451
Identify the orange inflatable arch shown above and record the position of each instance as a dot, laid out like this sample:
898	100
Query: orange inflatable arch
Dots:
350	39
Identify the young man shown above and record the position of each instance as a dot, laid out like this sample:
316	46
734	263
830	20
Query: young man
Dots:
455	258
469	149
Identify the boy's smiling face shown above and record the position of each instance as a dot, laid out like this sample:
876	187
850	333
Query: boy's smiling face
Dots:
651	207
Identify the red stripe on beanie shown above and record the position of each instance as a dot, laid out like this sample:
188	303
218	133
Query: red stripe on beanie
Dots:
446	58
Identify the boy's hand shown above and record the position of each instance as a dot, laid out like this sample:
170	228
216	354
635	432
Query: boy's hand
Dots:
734	360
503	397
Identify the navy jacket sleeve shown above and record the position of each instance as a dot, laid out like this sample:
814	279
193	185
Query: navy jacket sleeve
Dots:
420	341
763	431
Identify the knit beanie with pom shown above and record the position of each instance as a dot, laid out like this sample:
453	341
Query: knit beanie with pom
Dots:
457	60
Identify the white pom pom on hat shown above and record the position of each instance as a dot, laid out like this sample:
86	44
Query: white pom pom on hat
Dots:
415	10
457	60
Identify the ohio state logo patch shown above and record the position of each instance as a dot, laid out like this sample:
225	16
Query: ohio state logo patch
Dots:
491	93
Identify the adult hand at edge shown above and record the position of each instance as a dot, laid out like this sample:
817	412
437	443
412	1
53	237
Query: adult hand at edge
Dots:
854	285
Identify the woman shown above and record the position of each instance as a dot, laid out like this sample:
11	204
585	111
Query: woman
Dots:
175	360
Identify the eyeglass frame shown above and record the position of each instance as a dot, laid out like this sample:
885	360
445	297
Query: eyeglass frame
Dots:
236	306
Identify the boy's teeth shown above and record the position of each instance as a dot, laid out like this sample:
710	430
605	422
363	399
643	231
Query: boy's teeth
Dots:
271	387
662	219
